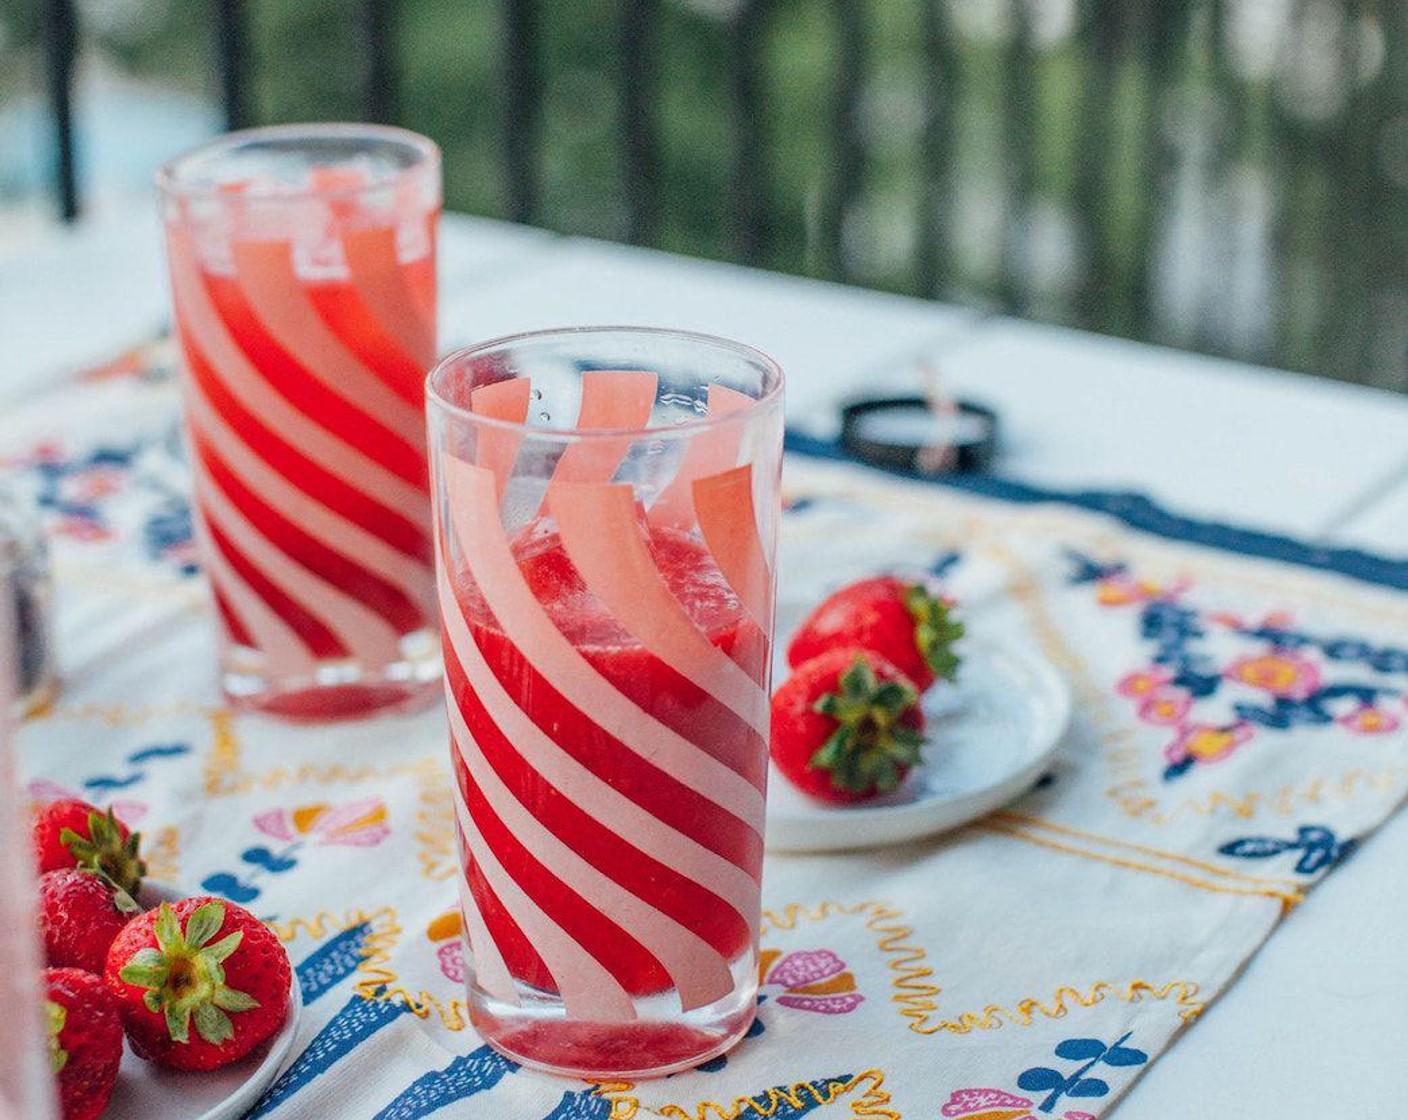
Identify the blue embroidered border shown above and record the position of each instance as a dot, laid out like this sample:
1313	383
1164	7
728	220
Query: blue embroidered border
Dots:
1138	512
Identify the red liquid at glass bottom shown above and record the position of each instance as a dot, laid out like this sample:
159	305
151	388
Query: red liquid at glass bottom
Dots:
303	486
657	1042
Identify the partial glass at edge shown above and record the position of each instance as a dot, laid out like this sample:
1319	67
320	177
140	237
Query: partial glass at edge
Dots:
606	511
302	266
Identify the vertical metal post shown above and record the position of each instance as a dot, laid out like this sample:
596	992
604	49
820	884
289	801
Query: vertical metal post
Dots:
521	114
749	177
231	51
379	43
638	164
848	151
60	54
932	241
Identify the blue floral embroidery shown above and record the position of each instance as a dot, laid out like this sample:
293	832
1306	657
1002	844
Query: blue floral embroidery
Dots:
464	1077
1091	1052
331	963
109	783
358	1020
1319	848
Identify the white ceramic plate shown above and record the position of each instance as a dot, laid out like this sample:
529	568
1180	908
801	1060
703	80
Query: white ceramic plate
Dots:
148	1092
991	736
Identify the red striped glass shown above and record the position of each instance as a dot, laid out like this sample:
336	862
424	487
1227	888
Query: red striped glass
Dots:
607	502
302	266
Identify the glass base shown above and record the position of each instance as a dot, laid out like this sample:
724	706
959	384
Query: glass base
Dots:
337	689
538	1033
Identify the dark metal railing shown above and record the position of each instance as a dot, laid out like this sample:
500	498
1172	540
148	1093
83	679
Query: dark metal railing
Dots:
1339	218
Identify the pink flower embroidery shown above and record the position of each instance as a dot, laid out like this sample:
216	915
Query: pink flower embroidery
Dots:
445	933
1166	707
1280	673
1369	720
811	979
989	1102
1143	682
1204	743
359	824
451	958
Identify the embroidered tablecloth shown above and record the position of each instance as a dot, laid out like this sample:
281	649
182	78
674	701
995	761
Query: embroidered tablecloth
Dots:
1240	726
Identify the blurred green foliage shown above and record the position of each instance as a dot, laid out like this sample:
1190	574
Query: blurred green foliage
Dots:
1226	175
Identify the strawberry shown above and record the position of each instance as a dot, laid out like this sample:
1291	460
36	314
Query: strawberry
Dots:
72	833
201	983
846	726
904	622
85	1040
80	913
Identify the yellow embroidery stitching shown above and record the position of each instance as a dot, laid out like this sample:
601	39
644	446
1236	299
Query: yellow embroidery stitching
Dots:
1183	992
1003	815
115	714
914	995
162	850
873	1100
1287	897
435	828
377	978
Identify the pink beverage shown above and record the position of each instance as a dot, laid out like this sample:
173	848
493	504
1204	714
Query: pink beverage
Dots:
606	595
26	1085
303	275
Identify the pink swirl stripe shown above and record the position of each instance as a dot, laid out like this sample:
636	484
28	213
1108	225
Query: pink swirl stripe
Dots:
604	541
706	453
372	258
362	632
266	276
588	989
474	514
611	399
204	326
490	971
284	651
700	974
497	448
729	523
582	787
328	527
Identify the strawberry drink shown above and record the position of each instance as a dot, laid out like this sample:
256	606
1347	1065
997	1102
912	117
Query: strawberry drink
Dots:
303	274
607	613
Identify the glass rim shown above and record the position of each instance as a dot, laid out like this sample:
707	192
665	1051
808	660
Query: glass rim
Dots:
771	397
426	151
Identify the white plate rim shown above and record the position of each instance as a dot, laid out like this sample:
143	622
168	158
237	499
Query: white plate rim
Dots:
247	1093
826	828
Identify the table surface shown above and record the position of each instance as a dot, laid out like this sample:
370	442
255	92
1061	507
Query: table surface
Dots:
1205	437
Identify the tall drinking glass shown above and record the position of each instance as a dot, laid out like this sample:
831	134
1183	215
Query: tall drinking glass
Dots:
302	266
606	510
26	1080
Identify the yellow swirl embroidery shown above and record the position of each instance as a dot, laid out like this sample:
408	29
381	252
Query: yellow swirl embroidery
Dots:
865	1092
1184	993
913	993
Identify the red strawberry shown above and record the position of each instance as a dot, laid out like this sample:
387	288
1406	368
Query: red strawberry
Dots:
85	1040
72	833
903	622
846	726
80	913
201	983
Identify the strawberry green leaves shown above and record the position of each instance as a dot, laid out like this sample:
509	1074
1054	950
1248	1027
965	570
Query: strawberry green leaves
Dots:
105	851
870	748
55	1017
935	630
184	975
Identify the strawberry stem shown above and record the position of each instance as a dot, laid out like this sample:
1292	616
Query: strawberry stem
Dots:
935	630
184	976
870	748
